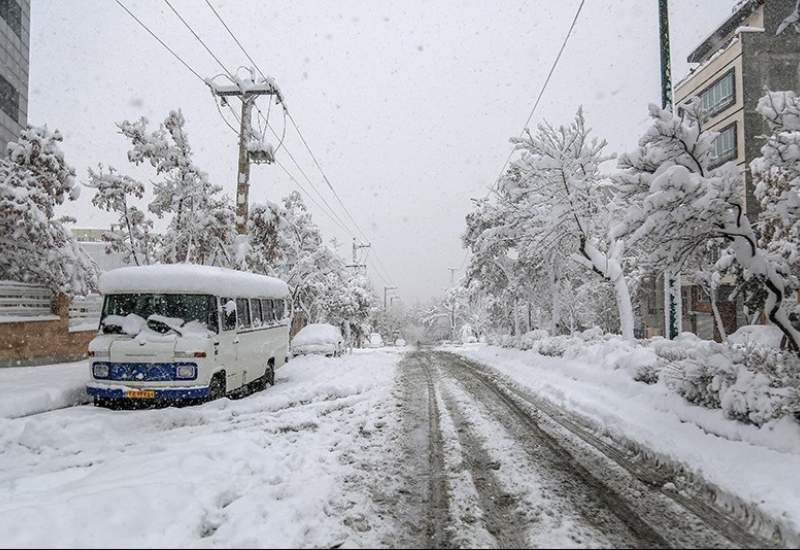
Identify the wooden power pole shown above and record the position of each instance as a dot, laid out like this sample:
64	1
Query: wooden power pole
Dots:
247	91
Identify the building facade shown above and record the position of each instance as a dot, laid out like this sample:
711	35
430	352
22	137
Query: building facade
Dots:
14	63
755	49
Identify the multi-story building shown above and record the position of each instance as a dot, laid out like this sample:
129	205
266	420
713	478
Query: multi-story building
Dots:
14	61
755	49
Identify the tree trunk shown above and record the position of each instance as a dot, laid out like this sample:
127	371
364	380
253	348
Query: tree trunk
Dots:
717	317
555	314
751	258
609	266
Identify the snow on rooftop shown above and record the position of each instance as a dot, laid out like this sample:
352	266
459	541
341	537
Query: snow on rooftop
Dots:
191	279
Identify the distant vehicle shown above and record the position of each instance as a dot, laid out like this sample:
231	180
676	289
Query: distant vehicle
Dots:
318	338
400	343
181	333
375	340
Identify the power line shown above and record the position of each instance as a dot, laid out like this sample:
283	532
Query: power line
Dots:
170	50
544	87
299	133
191	30
299	185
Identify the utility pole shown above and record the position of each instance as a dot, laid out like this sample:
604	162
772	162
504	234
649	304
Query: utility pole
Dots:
356	247
452	275
672	284
386	290
250	150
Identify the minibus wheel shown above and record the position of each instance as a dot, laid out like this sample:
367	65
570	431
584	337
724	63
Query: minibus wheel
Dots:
269	377
216	389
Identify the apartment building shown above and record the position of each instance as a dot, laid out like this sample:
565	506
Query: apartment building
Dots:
755	49
14	62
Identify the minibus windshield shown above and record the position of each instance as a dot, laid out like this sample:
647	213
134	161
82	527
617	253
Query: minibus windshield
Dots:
187	307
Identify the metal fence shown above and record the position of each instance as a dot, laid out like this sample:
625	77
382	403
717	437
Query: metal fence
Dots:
24	301
84	312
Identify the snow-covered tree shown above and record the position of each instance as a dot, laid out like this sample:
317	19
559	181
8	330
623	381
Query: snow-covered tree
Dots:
552	211
776	174
678	203
201	228
134	238
34	244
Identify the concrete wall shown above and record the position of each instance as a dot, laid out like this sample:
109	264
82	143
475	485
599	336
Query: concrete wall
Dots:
42	342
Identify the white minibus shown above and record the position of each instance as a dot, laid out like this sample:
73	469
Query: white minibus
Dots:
184	333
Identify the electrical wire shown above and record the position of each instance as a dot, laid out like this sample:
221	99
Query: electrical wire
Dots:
299	133
170	50
541	92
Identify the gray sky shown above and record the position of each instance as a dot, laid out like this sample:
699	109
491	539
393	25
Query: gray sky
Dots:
408	105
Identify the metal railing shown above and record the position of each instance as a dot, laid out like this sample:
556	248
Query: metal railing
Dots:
25	301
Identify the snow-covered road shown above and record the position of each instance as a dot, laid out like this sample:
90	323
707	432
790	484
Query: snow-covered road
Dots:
285	467
502	473
375	449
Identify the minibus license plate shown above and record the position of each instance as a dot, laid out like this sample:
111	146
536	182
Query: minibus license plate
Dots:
140	394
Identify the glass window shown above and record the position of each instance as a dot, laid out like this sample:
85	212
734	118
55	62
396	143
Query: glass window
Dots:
718	96
11	12
186	307
277	309
724	148
228	313
266	307
255	307
9	99
243	312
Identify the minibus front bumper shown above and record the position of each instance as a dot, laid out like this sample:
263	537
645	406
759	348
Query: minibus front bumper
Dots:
162	394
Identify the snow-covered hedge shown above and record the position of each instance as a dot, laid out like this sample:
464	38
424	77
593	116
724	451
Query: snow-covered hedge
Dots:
749	381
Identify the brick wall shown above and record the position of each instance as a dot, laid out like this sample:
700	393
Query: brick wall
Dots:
42	342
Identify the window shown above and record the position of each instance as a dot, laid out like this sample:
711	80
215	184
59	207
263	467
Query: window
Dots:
278	309
724	147
255	306
243	312
266	308
9	99
719	96
186	307
228	313
11	13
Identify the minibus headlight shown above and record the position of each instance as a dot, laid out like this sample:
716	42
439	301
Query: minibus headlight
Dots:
100	370
186	372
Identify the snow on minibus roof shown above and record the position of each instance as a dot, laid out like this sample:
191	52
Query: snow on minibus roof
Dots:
191	279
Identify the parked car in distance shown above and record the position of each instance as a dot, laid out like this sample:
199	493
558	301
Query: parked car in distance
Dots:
318	339
400	343
375	340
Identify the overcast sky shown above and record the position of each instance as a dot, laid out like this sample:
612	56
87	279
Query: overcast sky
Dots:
408	105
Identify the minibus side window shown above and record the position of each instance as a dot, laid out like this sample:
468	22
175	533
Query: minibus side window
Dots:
212	314
266	307
255	306
243	311
280	309
228	313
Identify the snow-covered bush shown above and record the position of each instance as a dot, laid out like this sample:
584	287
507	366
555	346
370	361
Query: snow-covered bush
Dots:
766	388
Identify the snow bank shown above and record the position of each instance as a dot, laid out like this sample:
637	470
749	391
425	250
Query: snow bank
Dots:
29	390
758	465
191	279
286	467
317	333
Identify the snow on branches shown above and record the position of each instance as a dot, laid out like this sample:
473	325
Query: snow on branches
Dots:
134	239
34	245
200	218
678	202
